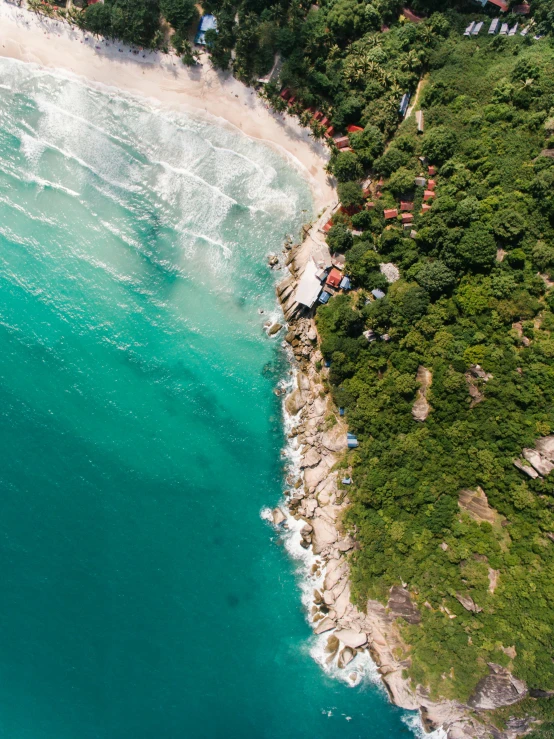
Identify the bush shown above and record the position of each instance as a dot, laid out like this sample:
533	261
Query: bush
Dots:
350	194
339	238
436	278
346	167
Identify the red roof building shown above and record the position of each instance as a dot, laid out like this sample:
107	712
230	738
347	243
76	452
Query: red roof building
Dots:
432	170
366	192
334	278
342	142
428	194
354	129
324	121
327	226
285	94
406	205
318	115
369	206
500	4
431	184
330	131
292	100
407	218
391	213
425	207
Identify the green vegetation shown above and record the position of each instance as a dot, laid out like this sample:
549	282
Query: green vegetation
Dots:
470	273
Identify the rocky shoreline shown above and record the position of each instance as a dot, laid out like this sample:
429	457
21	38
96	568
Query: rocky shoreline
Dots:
318	497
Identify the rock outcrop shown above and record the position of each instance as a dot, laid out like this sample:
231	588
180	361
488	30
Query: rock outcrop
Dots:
421	407
499	688
538	462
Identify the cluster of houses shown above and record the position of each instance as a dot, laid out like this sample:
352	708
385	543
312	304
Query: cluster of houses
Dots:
503	29
321	280
499	27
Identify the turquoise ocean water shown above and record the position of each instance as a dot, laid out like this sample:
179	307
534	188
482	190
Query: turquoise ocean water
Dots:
142	595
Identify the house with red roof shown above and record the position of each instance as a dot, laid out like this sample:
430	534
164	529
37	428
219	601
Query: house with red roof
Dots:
334	278
428	194
406	205
390	213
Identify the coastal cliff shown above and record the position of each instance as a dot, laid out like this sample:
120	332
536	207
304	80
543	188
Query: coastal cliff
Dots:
318	496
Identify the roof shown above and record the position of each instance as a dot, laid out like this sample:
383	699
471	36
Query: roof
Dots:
378	294
406	205
500	4
428	194
334	278
345	283
420	181
420	120
354	129
390	213
432	170
407	218
309	286
324	297
431	185
342	141
207	23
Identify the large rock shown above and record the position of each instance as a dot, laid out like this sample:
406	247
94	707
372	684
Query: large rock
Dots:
335	439
343	601
326	625
545	445
475	502
468	603
541	464
499	688
311	458
525	467
296	401
345	657
421	407
323	535
351	638
334	574
401	605
314	475
278	516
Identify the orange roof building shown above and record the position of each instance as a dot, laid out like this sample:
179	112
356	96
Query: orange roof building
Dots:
391	213
334	278
428	194
406	205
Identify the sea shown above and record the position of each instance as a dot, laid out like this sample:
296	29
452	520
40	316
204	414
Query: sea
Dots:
143	595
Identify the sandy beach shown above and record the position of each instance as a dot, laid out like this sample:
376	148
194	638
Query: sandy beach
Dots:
162	78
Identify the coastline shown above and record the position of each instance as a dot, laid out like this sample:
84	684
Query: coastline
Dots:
163	79
319	500
352	643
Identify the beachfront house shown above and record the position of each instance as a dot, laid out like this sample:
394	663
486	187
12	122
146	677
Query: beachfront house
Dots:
309	286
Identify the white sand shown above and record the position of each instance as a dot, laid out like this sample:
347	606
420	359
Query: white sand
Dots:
162	78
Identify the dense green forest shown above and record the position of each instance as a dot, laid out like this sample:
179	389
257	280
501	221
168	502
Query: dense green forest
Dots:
475	289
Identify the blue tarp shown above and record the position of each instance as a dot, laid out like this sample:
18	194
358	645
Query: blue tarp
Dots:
324	297
345	284
207	23
378	294
341	411
352	443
